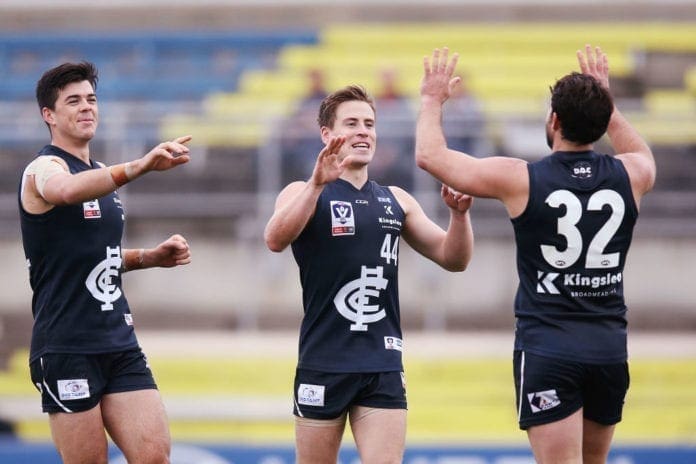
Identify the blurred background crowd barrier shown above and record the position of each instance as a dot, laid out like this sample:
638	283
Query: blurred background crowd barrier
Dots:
245	78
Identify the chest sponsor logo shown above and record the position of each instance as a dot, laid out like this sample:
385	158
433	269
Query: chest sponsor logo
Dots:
579	285
73	389
91	209
100	282
342	218
353	300
310	395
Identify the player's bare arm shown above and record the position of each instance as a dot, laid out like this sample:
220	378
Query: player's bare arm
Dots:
51	184
630	147
172	252
296	203
494	177
451	249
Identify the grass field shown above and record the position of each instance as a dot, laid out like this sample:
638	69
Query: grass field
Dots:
453	401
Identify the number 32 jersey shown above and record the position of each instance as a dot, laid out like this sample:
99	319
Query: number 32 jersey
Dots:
348	260
572	240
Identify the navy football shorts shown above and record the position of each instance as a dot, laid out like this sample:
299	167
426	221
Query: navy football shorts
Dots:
323	395
77	382
550	389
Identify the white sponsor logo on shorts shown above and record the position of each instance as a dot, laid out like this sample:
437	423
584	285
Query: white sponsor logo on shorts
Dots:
541	401
310	395
73	389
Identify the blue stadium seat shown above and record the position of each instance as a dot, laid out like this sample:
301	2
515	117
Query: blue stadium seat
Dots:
136	66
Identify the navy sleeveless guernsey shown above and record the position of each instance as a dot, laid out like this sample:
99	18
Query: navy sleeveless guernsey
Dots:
348	260
572	240
74	258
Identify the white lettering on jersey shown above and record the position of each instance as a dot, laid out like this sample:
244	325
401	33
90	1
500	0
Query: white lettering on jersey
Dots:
100	281
352	300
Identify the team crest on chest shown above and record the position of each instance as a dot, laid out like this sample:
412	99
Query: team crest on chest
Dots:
342	218
91	209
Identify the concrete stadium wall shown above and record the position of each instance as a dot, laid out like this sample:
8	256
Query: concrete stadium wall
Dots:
236	285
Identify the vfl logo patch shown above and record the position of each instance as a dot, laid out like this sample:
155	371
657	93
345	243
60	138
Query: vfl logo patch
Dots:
352	300
310	395
128	318
100	281
73	389
542	401
342	218
545	282
91	210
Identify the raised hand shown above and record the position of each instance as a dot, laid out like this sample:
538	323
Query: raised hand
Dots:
595	64
437	82
456	201
329	167
164	156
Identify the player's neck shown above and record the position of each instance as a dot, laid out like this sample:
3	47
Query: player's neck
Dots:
564	145
77	149
357	177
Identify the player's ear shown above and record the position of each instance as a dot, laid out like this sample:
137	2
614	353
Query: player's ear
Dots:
47	115
325	135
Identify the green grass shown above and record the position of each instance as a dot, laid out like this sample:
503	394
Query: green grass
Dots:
450	401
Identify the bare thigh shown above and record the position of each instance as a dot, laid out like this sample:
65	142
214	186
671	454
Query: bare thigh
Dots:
137	422
380	434
79	437
596	441
318	441
558	442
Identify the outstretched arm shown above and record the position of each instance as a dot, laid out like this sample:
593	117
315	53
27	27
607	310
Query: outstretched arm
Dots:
54	185
629	146
172	252
494	177
296	203
451	249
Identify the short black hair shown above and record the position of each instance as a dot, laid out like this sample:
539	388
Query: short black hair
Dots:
56	79
583	106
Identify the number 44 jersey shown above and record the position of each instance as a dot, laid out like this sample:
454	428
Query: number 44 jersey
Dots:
572	240
348	258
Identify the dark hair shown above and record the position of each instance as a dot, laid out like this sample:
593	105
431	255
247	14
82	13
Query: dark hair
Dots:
56	79
327	110
583	106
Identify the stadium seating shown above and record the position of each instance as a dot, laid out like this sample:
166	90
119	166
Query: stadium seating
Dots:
509	67
160	66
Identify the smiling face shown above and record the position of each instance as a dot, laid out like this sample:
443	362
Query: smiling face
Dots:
76	114
356	121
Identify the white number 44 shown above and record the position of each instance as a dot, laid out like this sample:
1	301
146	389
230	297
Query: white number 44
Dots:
390	251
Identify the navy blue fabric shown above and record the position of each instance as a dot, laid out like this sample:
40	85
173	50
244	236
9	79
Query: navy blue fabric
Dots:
74	258
572	240
348	260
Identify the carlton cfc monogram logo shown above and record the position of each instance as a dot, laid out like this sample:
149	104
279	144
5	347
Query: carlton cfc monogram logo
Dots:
352	300
100	281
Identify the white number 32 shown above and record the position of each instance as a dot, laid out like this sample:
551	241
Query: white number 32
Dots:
595	257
